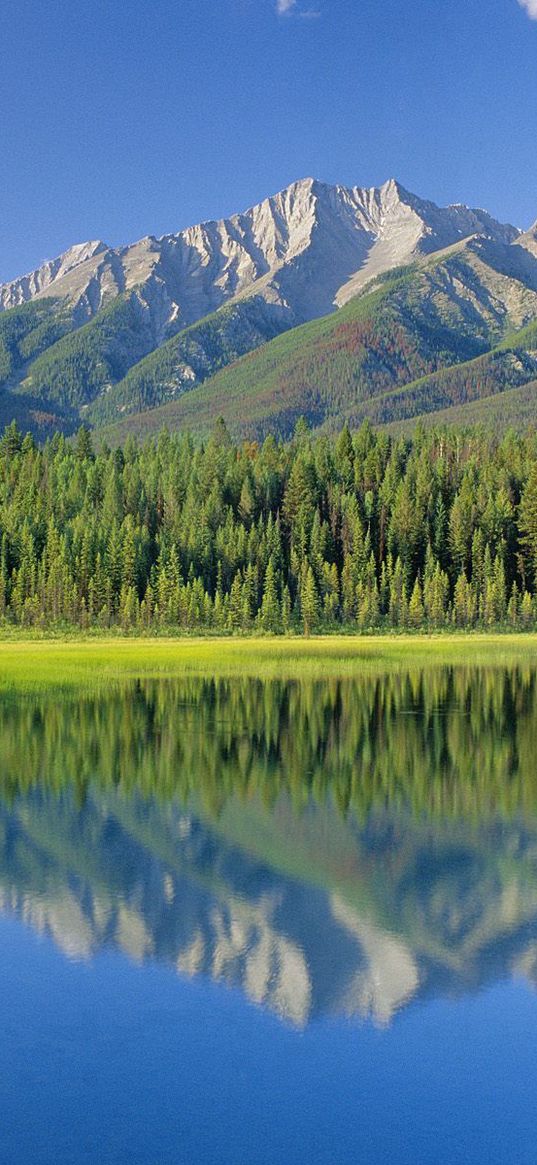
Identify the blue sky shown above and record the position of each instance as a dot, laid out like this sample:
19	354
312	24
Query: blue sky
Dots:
129	117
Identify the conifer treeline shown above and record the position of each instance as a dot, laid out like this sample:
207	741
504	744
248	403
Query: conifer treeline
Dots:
362	531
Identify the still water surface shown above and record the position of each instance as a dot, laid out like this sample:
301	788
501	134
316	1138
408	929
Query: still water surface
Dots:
248	923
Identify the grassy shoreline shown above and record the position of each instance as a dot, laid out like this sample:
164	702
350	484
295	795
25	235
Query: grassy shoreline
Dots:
33	664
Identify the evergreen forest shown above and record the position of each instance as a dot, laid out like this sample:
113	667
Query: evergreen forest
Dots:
358	532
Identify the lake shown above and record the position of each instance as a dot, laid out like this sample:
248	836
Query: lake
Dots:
271	923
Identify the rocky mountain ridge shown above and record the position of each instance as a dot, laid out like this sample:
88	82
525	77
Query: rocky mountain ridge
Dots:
306	250
103	334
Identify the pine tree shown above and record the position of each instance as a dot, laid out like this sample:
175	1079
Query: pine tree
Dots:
436	596
12	440
128	554
309	601
398	598
527	615
344	457
463	602
513	609
235	610
527	520
84	445
247	502
270	613
415	608
286	610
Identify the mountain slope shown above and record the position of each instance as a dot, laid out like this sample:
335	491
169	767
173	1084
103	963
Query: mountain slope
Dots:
100	333
190	358
27	331
515	408
419	340
83	363
307	248
301	254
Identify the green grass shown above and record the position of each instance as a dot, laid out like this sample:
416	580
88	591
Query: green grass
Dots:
37	665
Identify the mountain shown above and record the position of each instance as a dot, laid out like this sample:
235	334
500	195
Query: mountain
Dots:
306	249
528	240
515	408
101	332
454	327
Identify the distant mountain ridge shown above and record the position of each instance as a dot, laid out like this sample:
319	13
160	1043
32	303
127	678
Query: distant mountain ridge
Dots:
101	333
311	246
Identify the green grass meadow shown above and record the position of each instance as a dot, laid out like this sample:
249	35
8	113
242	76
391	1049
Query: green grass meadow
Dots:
28	665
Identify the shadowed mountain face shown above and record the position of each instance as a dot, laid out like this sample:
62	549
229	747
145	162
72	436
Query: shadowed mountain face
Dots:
343	847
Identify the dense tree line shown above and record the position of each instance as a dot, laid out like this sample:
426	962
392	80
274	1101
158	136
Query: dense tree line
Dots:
360	532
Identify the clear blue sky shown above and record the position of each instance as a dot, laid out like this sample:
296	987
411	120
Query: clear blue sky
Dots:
122	118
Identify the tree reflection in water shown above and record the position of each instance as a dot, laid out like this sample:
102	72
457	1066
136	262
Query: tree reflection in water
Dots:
328	847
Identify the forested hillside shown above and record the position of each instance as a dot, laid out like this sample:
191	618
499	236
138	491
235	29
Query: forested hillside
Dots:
435	335
189	358
445	328
363	532
25	333
515	408
84	363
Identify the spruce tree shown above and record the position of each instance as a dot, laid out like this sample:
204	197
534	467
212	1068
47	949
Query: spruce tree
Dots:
309	601
527	520
270	612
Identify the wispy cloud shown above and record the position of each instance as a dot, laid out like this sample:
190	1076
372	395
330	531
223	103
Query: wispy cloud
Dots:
531	8
292	8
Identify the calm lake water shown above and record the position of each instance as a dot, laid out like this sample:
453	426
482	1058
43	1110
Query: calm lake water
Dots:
248	923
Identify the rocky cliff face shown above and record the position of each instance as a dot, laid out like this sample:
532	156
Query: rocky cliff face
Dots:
164	316
307	250
529	240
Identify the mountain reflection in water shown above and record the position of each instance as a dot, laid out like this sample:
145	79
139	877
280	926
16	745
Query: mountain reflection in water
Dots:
311	844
